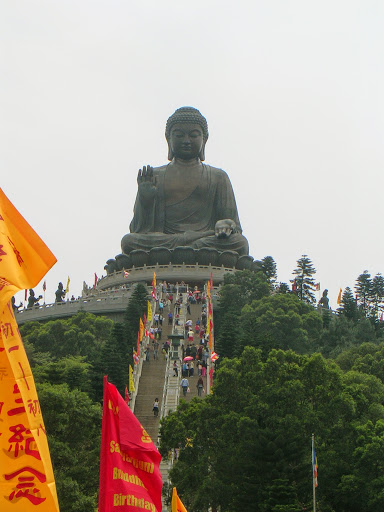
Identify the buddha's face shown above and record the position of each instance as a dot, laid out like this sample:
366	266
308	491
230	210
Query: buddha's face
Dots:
186	140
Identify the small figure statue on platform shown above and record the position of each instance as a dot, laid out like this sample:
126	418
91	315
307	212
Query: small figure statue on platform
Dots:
60	293
14	307
324	301
32	300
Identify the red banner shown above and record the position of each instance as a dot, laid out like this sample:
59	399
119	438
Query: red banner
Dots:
129	461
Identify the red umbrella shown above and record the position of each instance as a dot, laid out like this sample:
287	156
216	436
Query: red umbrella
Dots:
188	358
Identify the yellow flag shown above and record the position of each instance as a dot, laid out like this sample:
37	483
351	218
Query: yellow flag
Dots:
131	383
177	504
154	280
141	330
339	297
24	453
149	312
67	287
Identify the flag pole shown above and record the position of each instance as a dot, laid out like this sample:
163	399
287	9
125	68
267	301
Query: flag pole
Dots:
313	473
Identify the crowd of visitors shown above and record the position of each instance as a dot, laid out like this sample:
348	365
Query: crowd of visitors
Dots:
178	304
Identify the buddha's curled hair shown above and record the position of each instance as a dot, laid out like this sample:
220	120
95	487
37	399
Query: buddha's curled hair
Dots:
187	115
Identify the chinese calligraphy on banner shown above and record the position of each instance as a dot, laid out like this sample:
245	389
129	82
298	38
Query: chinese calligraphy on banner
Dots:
26	476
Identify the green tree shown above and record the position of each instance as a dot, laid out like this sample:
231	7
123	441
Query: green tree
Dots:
283	288
280	321
363	289
81	335
71	370
239	289
304	281
113	361
73	423
281	497
249	442
348	306
377	297
269	268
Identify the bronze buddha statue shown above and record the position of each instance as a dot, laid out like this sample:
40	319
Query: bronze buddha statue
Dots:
186	202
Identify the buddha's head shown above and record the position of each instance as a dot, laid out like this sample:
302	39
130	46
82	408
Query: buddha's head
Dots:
187	120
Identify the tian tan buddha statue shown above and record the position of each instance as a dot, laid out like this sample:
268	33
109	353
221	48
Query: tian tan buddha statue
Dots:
186	202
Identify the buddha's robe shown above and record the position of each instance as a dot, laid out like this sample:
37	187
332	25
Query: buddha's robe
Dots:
189	222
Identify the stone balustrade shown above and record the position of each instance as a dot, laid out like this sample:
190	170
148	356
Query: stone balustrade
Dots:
112	304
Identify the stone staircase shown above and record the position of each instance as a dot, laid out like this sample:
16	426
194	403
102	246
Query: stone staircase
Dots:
151	385
157	381
195	314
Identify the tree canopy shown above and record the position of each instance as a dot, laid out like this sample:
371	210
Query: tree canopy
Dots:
250	440
284	374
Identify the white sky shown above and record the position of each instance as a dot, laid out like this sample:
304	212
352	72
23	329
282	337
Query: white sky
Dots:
293	95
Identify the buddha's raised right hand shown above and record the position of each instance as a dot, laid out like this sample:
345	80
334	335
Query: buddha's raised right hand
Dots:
147	183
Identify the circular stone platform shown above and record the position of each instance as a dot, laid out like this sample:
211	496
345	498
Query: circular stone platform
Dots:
173	273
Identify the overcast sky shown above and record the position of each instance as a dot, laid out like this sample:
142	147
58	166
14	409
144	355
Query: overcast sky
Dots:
293	95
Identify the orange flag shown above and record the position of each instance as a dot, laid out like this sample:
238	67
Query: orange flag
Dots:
141	329
339	297
24	453
177	504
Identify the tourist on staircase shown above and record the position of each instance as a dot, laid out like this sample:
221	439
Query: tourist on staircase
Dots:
185	385
200	386
156	407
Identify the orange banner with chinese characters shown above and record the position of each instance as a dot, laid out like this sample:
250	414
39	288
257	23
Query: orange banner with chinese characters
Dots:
26	476
130	477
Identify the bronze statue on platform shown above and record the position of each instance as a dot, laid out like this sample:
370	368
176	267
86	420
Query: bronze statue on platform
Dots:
324	301
32	300
186	203
60	293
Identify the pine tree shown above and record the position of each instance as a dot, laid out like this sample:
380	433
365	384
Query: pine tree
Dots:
304	280
363	289
377	297
269	268
113	361
348	306
283	288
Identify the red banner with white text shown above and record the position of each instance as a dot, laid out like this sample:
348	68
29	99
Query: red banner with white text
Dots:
129	461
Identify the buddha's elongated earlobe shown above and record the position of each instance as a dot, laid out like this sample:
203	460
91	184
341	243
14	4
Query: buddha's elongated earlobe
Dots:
202	152
170	152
